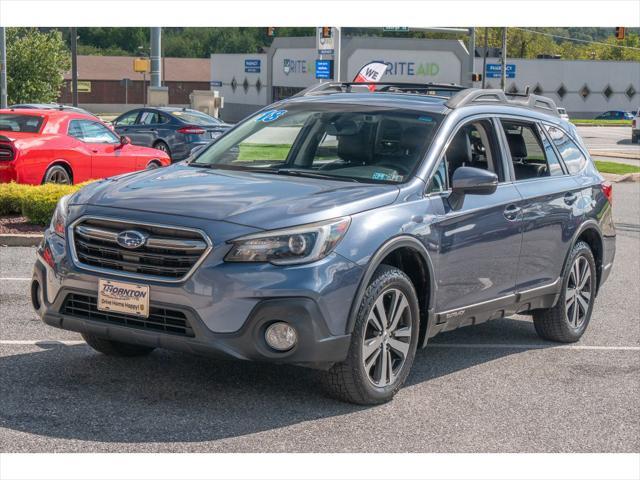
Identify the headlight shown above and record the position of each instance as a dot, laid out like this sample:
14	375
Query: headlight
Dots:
306	243
59	219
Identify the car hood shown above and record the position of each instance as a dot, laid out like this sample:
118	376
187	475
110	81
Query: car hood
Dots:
258	200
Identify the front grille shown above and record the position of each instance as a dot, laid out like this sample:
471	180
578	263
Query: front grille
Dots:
160	319
168	253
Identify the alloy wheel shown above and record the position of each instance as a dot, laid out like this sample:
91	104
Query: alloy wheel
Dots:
579	292
387	337
59	176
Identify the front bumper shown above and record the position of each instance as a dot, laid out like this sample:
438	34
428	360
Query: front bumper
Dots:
227	306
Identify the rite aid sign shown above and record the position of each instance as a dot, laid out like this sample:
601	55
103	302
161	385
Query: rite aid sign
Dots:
494	70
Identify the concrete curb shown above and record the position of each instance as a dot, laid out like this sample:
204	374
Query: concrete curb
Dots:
628	177
625	155
20	239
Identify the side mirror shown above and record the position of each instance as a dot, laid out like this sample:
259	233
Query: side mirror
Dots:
124	140
471	181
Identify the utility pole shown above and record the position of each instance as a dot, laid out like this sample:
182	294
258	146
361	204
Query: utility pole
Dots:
503	77
3	68
484	57
338	53
156	65
472	56
74	66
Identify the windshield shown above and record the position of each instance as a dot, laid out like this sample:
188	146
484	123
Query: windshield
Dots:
10	122
346	142
195	118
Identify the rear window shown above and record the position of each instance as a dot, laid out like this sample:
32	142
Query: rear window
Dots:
11	122
195	118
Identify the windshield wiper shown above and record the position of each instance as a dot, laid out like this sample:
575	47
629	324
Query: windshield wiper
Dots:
306	173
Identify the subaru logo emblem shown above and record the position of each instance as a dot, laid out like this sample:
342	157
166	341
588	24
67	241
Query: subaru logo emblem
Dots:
131	239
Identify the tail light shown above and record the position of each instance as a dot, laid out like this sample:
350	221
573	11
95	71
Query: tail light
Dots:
192	130
607	189
6	153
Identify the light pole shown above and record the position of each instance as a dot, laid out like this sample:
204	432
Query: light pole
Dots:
503	76
3	68
74	66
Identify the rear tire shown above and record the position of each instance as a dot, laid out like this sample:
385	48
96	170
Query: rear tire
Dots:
568	319
115	349
163	147
383	345
57	174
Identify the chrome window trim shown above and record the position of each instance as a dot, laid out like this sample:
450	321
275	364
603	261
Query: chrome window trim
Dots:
131	275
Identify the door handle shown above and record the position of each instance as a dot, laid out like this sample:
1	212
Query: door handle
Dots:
569	198
93	150
511	212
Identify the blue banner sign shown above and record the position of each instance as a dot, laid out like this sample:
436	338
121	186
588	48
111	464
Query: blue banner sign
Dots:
252	66
494	70
324	69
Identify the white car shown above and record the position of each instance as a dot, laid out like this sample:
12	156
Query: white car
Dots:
635	128
563	114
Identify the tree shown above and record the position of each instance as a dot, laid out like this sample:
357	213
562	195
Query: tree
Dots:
36	62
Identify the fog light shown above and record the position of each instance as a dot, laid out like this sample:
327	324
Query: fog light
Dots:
281	336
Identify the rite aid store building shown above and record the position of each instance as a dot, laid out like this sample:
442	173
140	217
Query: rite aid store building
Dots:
585	88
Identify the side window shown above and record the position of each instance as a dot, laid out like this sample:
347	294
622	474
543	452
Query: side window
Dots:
75	129
531	157
149	118
93	132
569	151
128	119
474	145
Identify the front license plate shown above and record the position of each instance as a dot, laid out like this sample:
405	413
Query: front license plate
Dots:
129	298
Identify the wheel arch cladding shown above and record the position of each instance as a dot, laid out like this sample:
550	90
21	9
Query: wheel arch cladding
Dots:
409	255
591	236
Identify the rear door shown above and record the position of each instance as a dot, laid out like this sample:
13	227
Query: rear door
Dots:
478	242
549	207
148	128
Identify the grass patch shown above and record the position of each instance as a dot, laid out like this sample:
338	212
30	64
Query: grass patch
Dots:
258	152
601	123
617	168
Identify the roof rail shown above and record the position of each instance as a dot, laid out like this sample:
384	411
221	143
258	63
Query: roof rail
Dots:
431	89
478	96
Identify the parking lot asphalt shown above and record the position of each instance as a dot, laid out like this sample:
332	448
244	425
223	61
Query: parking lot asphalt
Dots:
491	388
609	140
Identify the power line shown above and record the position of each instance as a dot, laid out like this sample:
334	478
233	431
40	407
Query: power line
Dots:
576	39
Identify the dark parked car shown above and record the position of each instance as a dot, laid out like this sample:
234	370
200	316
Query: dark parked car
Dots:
176	131
615	115
340	231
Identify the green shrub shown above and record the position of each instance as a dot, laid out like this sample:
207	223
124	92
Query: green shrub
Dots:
36	202
10	198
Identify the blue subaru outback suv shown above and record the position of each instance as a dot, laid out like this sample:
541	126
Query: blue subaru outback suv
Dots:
340	230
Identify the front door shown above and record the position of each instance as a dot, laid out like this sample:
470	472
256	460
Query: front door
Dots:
479	241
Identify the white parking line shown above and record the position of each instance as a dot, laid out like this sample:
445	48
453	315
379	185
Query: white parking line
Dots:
539	346
16	279
476	346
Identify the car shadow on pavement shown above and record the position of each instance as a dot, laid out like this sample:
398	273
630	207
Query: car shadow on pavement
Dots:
74	393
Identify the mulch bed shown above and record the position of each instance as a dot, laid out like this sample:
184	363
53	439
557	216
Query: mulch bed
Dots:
16	224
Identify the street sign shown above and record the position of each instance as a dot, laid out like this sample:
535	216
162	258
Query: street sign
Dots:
395	29
215	83
252	66
325	44
324	69
494	70
141	65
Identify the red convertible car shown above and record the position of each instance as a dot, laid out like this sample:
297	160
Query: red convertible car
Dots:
40	146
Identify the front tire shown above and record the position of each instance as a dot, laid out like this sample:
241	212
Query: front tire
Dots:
383	342
57	174
115	349
568	319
